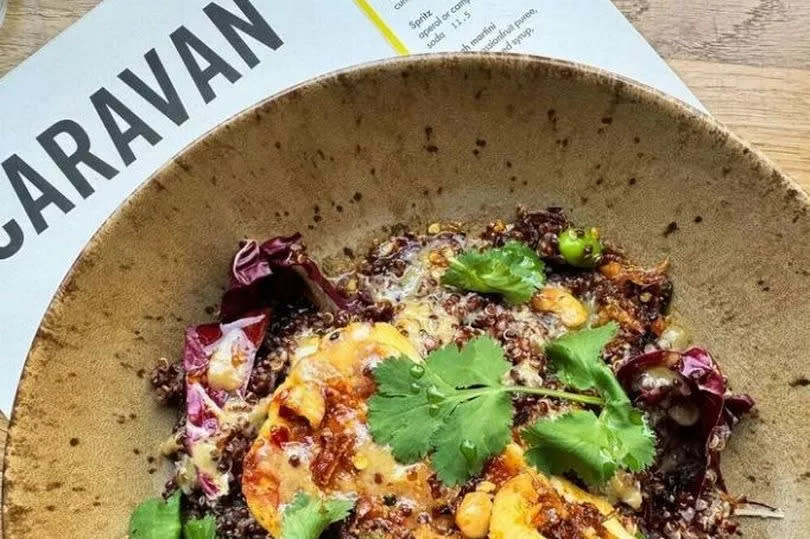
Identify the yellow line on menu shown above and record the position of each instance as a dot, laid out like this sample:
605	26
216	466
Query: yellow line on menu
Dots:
382	26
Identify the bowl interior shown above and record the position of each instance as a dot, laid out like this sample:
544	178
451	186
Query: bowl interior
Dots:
345	158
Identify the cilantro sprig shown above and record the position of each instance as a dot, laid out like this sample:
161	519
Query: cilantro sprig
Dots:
514	271
591	446
307	516
200	528
158	519
456	409
421	408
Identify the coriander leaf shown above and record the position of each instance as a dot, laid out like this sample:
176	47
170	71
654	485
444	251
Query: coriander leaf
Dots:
395	376
306	517
400	414
406	423
455	407
618	438
480	363
592	447
576	441
514	271
476	430
457	395
577	357
634	441
156	519
200	528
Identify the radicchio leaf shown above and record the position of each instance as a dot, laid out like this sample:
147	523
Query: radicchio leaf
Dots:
278	269
218	360
696	382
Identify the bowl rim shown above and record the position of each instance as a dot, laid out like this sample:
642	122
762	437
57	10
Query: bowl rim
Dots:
596	75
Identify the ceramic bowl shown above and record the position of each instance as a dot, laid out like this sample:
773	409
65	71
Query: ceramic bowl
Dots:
346	157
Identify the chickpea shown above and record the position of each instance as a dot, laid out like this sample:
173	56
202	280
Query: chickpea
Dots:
674	337
472	516
571	311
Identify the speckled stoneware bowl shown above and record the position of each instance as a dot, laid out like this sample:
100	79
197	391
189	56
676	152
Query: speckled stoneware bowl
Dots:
413	141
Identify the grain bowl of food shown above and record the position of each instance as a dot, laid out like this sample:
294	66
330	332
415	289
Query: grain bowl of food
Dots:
442	296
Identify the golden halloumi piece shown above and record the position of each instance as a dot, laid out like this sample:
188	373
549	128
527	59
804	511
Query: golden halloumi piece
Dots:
573	493
316	440
528	492
278	464
514	508
522	500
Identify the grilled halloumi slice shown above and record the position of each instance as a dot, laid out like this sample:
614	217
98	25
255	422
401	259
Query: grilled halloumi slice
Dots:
529	493
280	462
316	440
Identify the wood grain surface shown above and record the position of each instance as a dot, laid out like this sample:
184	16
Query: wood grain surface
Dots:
748	61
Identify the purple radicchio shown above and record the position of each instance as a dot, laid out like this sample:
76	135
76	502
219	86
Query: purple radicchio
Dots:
218	360
276	270
693	391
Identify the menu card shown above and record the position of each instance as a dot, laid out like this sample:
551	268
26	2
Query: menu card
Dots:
100	108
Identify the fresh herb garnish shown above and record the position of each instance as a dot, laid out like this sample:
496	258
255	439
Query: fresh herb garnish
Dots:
574	441
514	271
200	528
419	408
456	408
156	519
306	517
591	446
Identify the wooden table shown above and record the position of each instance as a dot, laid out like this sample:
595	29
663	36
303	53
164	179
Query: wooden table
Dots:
748	61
